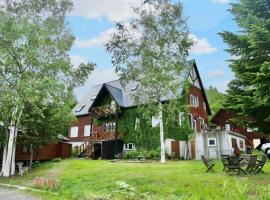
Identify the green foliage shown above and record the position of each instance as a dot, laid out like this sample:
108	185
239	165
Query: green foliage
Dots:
152	154
216	99
248	94
36	76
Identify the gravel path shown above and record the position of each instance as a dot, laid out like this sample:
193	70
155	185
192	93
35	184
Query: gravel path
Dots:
10	194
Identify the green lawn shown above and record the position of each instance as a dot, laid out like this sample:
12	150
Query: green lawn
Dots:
87	179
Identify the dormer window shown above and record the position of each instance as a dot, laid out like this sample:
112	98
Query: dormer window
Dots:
134	88
94	97
79	108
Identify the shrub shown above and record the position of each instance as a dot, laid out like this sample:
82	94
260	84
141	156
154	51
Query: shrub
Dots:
36	164
131	154
73	153
153	154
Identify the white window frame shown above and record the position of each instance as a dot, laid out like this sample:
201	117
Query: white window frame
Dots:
194	101
240	145
155	121
191	120
212	145
74	131
87	130
126	147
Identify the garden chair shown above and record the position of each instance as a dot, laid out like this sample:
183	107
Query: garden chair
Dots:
225	162
259	165
251	164
209	164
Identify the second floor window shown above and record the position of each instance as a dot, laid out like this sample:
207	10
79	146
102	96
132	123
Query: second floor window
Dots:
194	101
88	130
110	126
74	131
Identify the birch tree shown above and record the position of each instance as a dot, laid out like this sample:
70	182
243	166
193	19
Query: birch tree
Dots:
34	63
152	49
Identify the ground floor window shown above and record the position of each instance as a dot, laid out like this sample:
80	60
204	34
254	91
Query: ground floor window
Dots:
241	144
212	142
129	146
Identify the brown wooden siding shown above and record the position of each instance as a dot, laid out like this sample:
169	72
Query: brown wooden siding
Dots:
48	152
197	112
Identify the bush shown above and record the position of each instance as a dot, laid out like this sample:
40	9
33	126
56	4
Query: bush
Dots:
153	154
150	155
73	153
36	164
56	160
131	154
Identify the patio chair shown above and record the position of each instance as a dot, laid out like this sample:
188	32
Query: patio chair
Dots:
208	163
234	165
251	164
225	162
259	165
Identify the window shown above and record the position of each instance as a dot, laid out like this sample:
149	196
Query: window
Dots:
74	131
155	121
110	126
234	142
181	118
202	124
194	101
212	142
204	105
88	130
79	108
134	88
129	146
241	144
191	121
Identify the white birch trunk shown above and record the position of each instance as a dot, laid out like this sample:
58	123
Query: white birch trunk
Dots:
13	166
162	144
4	158
7	167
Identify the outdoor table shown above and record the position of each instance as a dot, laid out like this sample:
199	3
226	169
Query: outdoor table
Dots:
234	164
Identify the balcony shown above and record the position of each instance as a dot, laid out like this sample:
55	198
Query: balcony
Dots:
103	111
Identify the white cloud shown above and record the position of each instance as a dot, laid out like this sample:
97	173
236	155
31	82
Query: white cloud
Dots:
77	60
215	74
114	10
97	77
101	39
220	1
201	46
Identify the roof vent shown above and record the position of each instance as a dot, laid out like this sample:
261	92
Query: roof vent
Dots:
134	88
94	97
79	108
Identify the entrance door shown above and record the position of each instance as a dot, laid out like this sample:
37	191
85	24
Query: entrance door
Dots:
175	148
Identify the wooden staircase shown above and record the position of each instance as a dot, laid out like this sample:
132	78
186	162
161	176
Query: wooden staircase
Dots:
88	146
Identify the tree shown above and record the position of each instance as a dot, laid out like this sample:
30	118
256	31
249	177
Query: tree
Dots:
35	71
152	49
249	92
216	99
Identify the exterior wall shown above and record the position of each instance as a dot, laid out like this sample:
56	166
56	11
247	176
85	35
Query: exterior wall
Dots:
223	144
47	152
80	123
197	111
224	116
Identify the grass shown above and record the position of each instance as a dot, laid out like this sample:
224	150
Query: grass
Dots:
87	179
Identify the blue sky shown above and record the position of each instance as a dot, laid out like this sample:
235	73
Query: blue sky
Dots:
92	22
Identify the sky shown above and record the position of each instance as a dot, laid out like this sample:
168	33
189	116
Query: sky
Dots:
92	23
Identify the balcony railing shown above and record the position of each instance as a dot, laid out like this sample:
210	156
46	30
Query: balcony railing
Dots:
103	111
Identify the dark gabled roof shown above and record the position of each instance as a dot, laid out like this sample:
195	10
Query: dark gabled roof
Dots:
124	95
202	88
